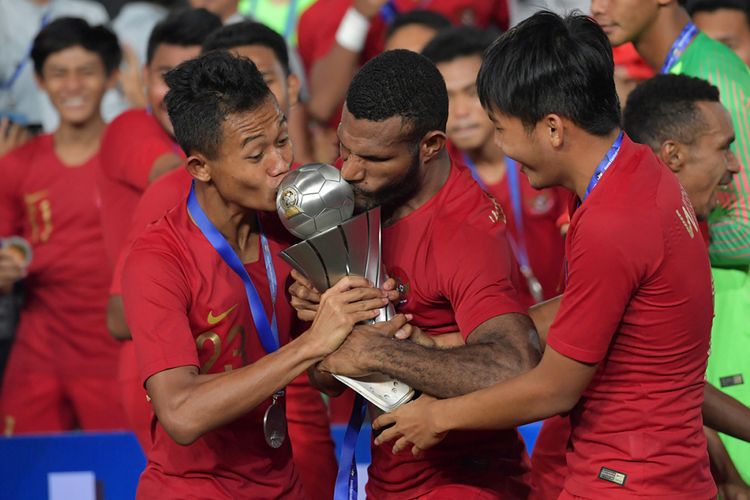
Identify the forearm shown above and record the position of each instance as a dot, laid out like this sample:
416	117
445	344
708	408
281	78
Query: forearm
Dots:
725	414
447	373
722	467
206	402
324	382
329	81
116	324
163	164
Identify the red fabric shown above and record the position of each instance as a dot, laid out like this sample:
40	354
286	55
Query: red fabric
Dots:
461	491
638	303
452	257
626	56
130	146
138	411
63	323
173	282
542	210
548	467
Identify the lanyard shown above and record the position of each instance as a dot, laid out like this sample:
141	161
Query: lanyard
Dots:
678	47
267	332
346	478
8	84
389	11
291	16
604	165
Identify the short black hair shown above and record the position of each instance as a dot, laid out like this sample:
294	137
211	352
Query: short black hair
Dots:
664	108
695	6
428	18
249	33
204	91
460	41
549	64
400	83
184	27
67	32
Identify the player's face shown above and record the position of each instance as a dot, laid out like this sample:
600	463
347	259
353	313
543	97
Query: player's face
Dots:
75	81
412	37
283	87
221	8
709	163
382	167
254	155
468	126
166	56
624	20
526	147
729	26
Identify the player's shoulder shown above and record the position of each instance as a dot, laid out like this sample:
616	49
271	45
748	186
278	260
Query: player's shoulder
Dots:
26	151
130	118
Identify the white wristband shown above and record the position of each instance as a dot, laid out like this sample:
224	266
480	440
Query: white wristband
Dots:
352	31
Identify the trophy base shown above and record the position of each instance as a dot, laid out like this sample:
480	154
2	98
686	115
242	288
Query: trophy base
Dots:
383	391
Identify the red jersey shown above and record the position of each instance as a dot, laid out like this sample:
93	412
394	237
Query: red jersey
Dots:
454	264
186	307
54	206
131	144
541	211
637	303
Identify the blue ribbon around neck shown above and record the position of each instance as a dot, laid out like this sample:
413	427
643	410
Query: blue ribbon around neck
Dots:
604	165
678	47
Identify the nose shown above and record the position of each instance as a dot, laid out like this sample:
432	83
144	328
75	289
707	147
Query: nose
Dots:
352	170
283	161
459	107
73	82
598	7
733	164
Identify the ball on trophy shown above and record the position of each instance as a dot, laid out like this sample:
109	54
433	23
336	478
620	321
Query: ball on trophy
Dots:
314	198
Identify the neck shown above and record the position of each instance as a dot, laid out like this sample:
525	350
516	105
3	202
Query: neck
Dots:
238	225
584	163
655	42
431	179
76	143
489	161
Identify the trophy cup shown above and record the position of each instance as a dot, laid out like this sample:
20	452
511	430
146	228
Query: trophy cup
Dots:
316	204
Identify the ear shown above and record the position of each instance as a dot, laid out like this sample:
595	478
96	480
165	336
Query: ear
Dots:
430	146
673	154
292	87
554	129
199	168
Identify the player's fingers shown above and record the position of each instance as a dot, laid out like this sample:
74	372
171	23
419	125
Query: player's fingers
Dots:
349	282
360	294
390	284
304	293
390	327
401	444
366	305
416	451
382	421
387	435
302	280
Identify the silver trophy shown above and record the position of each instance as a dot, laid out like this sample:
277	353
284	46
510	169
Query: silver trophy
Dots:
316	204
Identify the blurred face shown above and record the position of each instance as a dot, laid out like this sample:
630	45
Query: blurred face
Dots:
412	37
221	8
284	88
709	163
379	164
468	127
255	153
729	26
624	20
528	148
75	80
166	57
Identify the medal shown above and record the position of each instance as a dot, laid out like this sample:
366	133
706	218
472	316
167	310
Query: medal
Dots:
274	421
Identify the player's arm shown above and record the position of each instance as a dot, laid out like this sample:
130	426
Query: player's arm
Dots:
554	386
500	348
728	479
116	324
543	314
331	74
725	414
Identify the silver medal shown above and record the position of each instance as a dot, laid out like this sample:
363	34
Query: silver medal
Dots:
274	422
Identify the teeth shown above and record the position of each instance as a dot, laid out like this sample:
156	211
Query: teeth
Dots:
75	101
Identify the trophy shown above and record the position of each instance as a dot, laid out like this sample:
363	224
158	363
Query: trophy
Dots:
316	204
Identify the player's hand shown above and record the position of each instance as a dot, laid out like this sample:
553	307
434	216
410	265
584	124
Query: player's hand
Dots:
305	298
12	269
351	300
12	135
369	8
390	288
734	491
411	426
351	359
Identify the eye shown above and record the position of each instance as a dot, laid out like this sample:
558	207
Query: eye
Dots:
283	141
255	157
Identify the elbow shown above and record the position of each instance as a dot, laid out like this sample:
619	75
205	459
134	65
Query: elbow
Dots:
181	428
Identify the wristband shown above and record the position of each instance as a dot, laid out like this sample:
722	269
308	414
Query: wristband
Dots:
352	31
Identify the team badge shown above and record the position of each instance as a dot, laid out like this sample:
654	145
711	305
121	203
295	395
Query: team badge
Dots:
290	202
402	284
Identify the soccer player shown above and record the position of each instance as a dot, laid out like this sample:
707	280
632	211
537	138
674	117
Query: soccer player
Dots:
531	215
201	291
727	21
137	148
666	39
414	29
61	373
309	428
627	349
444	244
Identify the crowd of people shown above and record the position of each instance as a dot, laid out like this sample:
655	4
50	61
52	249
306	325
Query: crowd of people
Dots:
566	233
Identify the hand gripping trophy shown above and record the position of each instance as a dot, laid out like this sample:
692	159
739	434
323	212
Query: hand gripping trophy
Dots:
316	204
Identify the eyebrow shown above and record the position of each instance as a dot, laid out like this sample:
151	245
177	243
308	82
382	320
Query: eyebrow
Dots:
366	157
281	121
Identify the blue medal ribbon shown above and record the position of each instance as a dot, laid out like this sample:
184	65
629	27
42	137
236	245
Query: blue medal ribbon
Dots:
268	332
346	478
604	165
678	47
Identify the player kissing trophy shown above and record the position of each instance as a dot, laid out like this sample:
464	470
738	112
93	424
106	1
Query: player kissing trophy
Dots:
316	204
